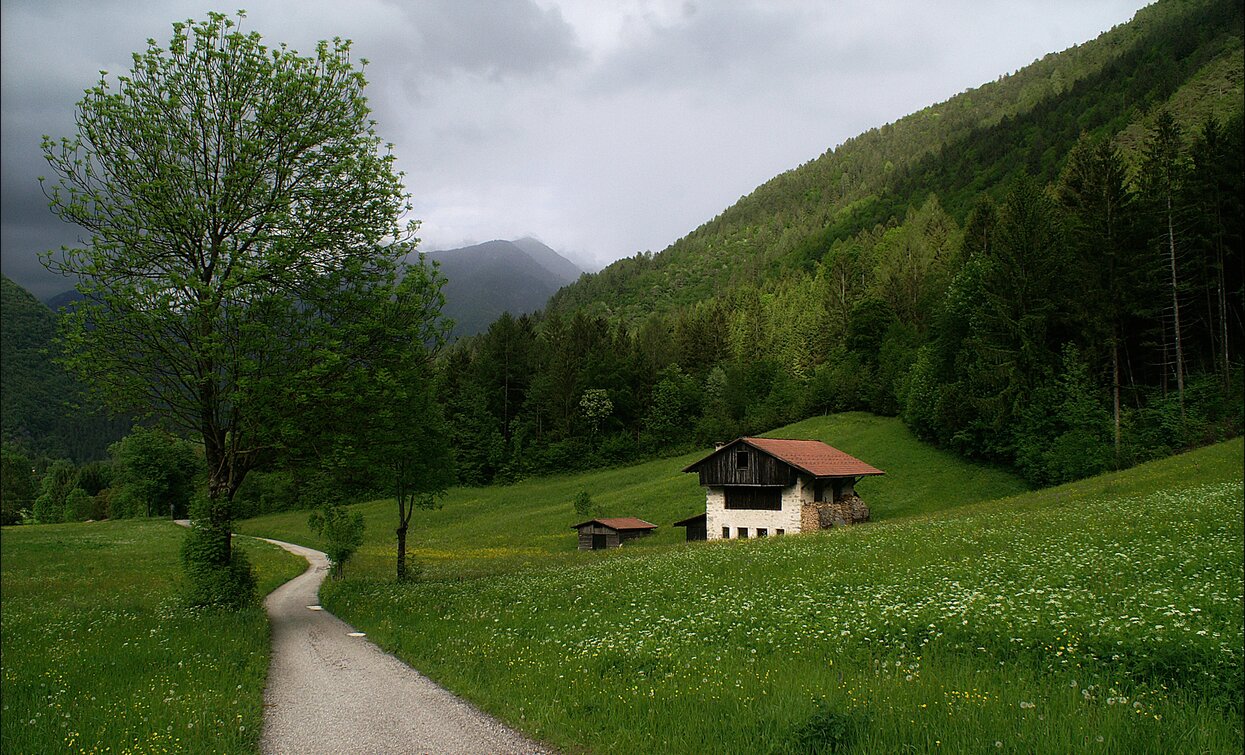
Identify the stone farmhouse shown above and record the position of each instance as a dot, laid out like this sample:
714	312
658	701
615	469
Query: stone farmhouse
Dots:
755	487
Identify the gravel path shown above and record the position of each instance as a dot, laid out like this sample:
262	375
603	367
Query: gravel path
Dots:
329	692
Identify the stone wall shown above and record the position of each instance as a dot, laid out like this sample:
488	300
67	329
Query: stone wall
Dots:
823	515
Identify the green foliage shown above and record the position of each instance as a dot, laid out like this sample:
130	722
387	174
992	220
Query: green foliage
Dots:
42	408
100	650
154	474
342	531
827	730
17	484
60	479
255	178
217	574
583	504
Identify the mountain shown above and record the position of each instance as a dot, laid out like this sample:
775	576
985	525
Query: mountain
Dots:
63	299
43	408
485	280
1185	55
1044	272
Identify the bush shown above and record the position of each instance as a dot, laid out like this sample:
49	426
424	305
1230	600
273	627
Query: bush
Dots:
583	504
218	574
79	506
826	730
342	531
54	489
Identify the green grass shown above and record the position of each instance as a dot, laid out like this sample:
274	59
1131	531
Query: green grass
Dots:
1100	616
480	531
99	654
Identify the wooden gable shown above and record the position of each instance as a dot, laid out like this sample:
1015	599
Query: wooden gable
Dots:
740	463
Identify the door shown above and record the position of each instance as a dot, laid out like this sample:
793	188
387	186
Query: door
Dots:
598	542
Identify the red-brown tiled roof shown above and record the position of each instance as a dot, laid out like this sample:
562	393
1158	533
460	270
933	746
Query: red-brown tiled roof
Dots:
620	523
814	457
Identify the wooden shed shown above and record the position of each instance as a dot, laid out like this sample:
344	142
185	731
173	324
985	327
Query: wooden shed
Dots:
599	534
697	527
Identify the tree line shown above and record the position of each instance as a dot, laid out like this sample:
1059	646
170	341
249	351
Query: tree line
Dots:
1069	327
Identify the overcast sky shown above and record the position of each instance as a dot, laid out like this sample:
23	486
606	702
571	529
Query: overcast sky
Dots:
601	127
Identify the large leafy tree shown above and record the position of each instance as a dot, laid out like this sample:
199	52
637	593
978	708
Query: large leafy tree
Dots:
245	225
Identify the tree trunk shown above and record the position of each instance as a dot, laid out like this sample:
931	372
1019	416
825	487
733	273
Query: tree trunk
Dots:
1171	253
1115	388
401	531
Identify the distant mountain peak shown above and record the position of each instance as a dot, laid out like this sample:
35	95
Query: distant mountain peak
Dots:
485	280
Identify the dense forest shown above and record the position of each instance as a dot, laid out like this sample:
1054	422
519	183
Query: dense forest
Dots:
43	410
1045	272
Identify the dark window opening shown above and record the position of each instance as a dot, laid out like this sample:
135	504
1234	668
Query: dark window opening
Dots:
741	459
726	533
743	533
764	499
762	532
780	532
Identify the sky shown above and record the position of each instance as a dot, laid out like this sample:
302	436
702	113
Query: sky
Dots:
601	127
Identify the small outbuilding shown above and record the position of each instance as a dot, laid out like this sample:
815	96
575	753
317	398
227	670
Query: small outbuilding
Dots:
755	487
599	534
696	527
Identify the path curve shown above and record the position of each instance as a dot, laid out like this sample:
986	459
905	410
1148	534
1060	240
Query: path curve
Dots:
329	692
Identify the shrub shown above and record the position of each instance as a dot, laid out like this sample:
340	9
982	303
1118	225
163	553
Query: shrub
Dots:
826	730
213	579
583	504
342	530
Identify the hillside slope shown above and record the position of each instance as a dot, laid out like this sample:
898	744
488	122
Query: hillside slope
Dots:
42	408
1104	614
498	528
1182	53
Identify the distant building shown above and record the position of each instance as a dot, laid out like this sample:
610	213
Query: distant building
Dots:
696	527
599	534
755	487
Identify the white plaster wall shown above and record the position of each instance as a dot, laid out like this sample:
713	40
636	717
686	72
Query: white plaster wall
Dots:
788	519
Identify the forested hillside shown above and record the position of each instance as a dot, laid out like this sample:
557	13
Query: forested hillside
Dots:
42	406
1045	272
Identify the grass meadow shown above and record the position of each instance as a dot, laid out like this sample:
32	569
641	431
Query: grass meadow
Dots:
1100	616
498	529
99	654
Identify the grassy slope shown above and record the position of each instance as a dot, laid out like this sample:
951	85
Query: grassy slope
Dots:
100	656
497	529
1101	616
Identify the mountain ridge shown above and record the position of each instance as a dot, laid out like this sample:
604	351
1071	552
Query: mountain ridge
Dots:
485	280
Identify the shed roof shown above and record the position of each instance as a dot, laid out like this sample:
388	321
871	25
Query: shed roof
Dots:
690	520
810	456
619	523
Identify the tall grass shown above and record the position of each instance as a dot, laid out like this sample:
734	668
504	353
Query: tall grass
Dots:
98	653
1101	616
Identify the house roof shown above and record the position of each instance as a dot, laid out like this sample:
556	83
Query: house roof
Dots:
619	523
809	456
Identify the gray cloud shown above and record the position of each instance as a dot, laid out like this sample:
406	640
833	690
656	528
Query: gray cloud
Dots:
602	128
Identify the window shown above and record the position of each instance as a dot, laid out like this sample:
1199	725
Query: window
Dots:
726	533
763	499
741	459
780	532
743	532
762	532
